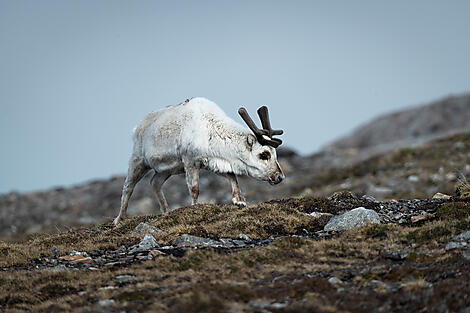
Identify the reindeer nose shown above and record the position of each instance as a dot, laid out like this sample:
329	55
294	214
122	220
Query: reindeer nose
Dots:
277	179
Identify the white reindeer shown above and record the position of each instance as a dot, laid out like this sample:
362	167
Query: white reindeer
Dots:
197	134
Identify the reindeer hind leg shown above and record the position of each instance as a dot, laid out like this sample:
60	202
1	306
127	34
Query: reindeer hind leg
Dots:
157	182
137	170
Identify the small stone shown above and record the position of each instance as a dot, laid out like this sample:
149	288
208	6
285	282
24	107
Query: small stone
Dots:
58	268
420	218
466	255
78	253
369	198
144	228
397	255
76	258
155	253
413	178
239	243
227	242
318	214
379	286
441	196
244	237
335	281
193	241
121	249
147	243
55	251
107	288
125	278
355	218
106	302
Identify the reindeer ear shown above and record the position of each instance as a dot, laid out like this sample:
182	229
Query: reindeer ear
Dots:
250	141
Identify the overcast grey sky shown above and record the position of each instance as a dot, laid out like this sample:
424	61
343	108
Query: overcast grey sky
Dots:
77	76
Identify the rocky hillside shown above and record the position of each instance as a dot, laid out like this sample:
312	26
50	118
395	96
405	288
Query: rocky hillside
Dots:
351	229
408	127
406	173
337	254
354	163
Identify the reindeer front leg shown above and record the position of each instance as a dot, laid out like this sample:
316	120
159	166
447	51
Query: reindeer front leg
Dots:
192	180
237	197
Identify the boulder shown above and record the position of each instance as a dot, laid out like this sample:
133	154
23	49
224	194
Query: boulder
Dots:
355	218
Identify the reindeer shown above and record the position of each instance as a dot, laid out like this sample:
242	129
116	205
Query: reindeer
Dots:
197	134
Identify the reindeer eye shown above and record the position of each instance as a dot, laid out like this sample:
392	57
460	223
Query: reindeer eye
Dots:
264	155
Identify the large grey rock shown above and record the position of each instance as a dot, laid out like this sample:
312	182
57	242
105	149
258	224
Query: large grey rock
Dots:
355	218
193	241
146	244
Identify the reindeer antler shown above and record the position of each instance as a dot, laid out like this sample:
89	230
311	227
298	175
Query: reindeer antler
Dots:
265	135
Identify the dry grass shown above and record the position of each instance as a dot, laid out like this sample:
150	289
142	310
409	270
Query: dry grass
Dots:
291	270
260	221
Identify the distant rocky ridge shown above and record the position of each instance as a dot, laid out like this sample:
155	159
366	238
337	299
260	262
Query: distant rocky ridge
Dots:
319	174
410	126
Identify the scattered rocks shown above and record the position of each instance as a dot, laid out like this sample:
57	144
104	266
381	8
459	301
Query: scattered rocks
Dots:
144	228
355	218
397	255
193	241
146	244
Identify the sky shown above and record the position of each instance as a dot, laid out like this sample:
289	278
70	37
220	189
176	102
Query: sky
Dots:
77	76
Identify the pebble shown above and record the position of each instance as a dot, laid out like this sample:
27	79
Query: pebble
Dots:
244	237
106	302
125	278
335	281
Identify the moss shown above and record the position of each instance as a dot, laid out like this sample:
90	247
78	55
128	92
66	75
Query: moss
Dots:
424	235
454	210
137	295
376	230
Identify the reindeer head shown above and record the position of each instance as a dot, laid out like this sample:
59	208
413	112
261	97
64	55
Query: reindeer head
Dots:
262	163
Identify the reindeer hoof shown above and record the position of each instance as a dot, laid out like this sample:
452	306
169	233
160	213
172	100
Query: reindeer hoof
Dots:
117	220
239	203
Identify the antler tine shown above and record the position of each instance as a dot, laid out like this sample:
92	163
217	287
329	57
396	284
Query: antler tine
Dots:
264	117
264	135
246	117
